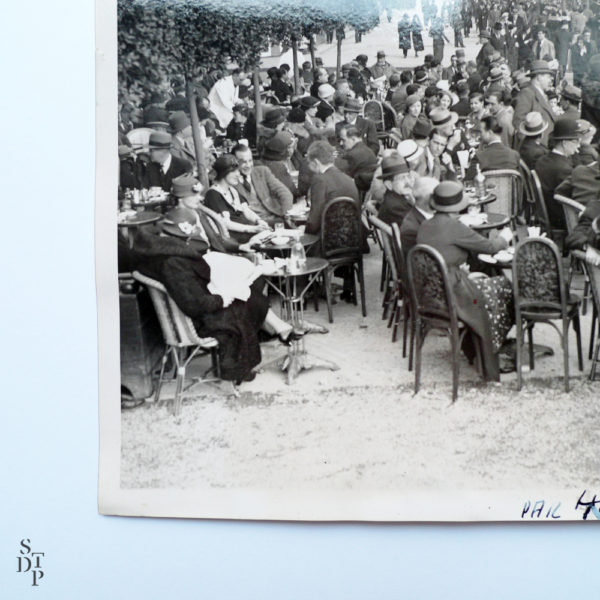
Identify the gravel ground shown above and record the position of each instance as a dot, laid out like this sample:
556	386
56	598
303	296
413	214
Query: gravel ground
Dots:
362	426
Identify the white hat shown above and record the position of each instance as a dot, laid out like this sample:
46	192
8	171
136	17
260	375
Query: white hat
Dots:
326	90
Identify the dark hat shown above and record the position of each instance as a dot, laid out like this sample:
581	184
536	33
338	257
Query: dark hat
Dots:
422	128
412	99
362	58
572	93
307	102
155	113
324	111
352	105
183	186
225	164
274	117
182	222
533	124
441	116
551	94
178	121
381	54
485	34
160	140
177	103
157	98
495	74
495	57
460	52
539	67
428	58
462	86
318	61
420	76
391	166
497	26
276	148
296	115
448	197
566	129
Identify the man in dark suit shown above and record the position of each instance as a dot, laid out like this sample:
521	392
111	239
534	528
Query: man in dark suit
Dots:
398	182
463	107
531	148
421	211
494	154
583	237
163	166
582	185
556	166
358	160
366	128
328	183
486	49
268	197
533	97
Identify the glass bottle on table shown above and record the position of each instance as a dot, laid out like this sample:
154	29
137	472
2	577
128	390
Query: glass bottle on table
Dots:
479	181
297	257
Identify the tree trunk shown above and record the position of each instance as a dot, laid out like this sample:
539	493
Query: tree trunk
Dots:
257	104
296	70
338	67
311	47
198	145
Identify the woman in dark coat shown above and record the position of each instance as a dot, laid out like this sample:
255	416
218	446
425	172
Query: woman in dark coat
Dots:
177	261
276	154
417	37
484	303
404	30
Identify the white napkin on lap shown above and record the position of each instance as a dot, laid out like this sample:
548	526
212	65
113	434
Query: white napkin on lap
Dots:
231	276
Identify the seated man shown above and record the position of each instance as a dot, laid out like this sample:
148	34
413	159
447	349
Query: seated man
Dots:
582	185
398	181
532	148
422	192
583	237
328	183
366	127
268	197
358	160
556	166
493	154
163	166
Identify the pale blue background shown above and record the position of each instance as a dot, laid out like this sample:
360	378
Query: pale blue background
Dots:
49	418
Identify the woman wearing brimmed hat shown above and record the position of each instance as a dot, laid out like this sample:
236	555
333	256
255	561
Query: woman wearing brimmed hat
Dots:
273	122
531	147
276	155
223	198
556	166
411	114
587	152
484	303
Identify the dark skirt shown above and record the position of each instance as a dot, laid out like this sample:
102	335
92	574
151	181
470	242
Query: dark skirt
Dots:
417	41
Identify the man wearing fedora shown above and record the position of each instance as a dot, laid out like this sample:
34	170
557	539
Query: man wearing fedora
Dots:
570	102
182	143
268	197
531	130
163	166
533	97
486	49
382	68
422	192
556	166
366	127
398	181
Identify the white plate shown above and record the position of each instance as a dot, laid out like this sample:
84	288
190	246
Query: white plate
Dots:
280	241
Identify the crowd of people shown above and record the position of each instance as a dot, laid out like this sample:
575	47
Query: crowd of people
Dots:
400	142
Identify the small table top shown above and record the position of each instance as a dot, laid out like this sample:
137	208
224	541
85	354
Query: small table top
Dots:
313	264
140	218
494	221
306	239
489	197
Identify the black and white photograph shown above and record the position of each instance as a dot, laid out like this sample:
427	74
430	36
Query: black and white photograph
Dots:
348	259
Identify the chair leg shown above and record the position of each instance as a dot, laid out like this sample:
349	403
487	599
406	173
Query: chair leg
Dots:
361	281
595	359
216	361
405	325
383	278
160	378
418	347
593	330
577	327
327	278
530	341
520	339
565	345
455	365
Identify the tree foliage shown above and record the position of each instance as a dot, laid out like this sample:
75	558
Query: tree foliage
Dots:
159	39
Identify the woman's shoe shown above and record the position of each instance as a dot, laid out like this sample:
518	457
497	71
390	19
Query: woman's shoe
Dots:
250	376
292	335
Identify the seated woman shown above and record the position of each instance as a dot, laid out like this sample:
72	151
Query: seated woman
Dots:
223	198
484	303
412	112
277	154
179	261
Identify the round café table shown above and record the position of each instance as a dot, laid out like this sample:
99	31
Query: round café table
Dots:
140	218
495	221
306	239
292	288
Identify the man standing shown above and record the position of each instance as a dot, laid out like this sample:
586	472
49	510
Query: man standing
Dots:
439	37
268	197
366	128
358	160
381	67
533	97
543	47
225	94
